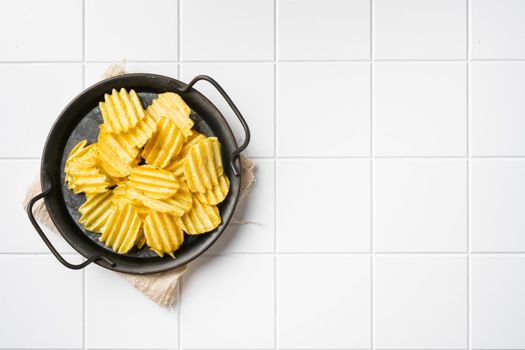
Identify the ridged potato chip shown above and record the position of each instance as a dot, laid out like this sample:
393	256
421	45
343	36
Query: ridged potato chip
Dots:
177	205
83	173
177	165
88	180
96	210
122	228
203	165
172	106
116	155
164	145
217	193
141	133
121	110
154	183
162	233
76	150
200	219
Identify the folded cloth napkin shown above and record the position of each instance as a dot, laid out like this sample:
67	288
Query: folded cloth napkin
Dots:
159	287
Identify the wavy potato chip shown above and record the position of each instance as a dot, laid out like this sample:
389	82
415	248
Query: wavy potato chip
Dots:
177	165
96	210
177	205
140	133
172	106
203	165
201	218
76	150
164	145
154	183
217	193
116	155
162	233
83	173
122	228
121	110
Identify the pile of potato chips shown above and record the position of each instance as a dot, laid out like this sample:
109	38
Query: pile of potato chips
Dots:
149	177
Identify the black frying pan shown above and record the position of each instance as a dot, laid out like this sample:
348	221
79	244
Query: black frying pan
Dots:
80	120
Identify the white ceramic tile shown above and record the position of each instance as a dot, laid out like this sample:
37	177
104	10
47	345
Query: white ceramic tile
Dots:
323	205
498	29
252	227
420	302
497	202
333	29
95	71
420	109
323	301
131	29
33	30
420	205
498	307
56	85
497	108
227	30
41	303
18	233
323	109
251	87
119	316
420	29
228	303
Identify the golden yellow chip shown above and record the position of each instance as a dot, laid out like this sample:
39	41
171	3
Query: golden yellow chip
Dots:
116	155
83	173
164	145
75	150
162	233
141	133
122	228
177	165
72	162
121	111
88	181
203	165
177	205
96	210
217	193
200	219
172	106
153	182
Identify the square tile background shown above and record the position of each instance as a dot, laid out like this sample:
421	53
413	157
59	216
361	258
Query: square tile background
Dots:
387	212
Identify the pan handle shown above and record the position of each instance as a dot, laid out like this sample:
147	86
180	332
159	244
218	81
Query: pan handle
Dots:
235	154
48	243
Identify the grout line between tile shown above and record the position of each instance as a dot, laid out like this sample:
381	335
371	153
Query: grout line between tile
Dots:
372	153
468	109
38	253
275	166
416	60
179	17
179	303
